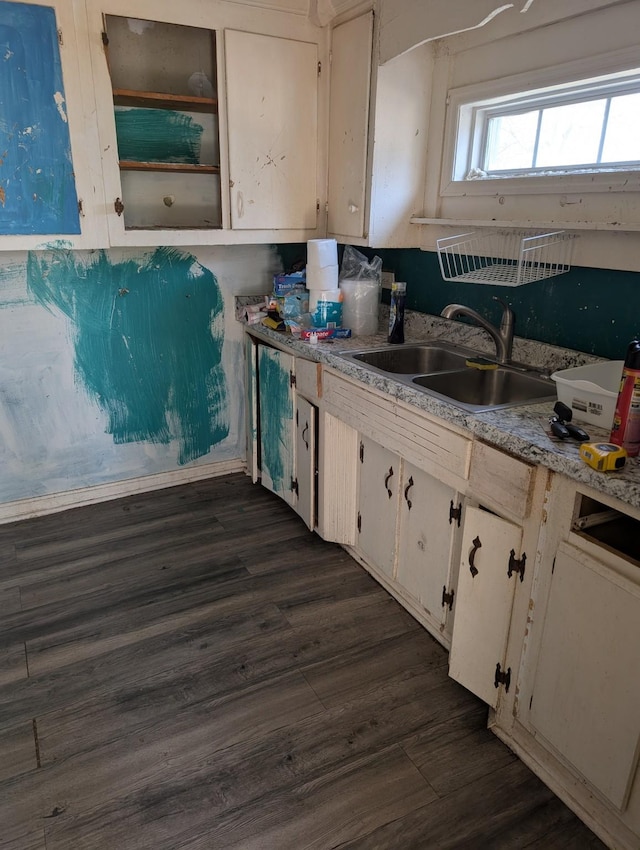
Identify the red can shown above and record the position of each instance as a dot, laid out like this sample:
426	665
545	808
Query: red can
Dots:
626	419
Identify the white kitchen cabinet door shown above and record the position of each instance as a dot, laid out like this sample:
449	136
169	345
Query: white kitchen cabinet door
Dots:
351	46
305	504
50	168
379	487
277	422
484	601
272	115
425	540
586	693
251	409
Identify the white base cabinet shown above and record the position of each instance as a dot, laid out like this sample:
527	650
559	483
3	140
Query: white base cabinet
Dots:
431	514
281	429
491	546
577	719
306	464
379	485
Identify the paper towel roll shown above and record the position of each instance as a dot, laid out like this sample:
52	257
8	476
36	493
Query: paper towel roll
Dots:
322	252
361	307
322	277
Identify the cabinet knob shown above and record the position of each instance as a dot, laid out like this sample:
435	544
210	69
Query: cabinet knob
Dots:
353	208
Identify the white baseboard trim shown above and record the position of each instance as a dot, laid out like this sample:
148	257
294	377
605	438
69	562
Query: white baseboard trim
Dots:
55	502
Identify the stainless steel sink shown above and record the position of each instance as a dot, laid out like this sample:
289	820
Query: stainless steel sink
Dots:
488	389
412	359
439	370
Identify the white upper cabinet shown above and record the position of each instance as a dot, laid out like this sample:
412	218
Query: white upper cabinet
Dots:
272	114
377	139
50	187
208	132
351	46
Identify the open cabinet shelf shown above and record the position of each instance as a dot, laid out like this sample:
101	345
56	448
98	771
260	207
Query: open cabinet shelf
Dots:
163	100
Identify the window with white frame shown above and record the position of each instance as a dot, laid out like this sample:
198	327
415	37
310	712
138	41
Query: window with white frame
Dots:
521	129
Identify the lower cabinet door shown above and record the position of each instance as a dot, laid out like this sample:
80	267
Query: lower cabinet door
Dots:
425	540
305	503
379	484
251	408
586	691
483	605
277	423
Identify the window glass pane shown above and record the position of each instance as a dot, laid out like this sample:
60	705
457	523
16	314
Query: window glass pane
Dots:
570	134
622	142
510	141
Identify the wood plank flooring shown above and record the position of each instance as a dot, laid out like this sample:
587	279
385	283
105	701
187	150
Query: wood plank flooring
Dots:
192	668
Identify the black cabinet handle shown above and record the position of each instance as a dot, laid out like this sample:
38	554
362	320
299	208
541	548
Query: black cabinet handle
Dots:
304	431
472	556
406	492
387	478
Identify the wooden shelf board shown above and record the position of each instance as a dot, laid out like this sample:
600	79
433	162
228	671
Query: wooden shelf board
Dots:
537	225
176	167
162	100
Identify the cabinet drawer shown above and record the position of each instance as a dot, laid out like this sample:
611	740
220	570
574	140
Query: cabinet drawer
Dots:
403	429
502	480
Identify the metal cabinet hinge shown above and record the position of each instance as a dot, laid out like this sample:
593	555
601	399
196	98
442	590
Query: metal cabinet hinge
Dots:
319	68
361	452
502	677
80	207
118	206
105	39
292	379
359	522
516	565
60	38
294	485
447	598
297	417
455	513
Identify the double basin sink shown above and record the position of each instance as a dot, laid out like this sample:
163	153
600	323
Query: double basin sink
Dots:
441	369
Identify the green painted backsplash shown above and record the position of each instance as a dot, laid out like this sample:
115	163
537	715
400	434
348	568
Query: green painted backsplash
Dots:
592	310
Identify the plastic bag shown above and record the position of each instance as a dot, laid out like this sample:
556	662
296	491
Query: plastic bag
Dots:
355	266
361	284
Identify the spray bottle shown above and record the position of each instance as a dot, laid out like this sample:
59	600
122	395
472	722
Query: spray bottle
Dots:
626	419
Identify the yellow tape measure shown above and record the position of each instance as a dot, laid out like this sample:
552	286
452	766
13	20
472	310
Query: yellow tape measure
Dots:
605	457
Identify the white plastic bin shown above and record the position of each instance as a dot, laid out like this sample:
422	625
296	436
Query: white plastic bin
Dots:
591	391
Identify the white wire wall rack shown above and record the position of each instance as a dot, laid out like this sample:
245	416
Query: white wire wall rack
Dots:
505	257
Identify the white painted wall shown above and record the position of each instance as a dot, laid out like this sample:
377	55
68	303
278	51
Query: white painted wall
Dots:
52	433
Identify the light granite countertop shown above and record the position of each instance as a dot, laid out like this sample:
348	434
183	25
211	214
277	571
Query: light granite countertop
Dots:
520	430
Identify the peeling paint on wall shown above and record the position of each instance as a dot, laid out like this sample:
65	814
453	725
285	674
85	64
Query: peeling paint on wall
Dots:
147	337
37	187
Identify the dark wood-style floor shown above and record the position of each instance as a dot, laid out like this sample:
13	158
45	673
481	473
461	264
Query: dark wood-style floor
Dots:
192	668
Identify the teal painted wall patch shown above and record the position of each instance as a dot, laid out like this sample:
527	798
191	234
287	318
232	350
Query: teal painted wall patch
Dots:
148	336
